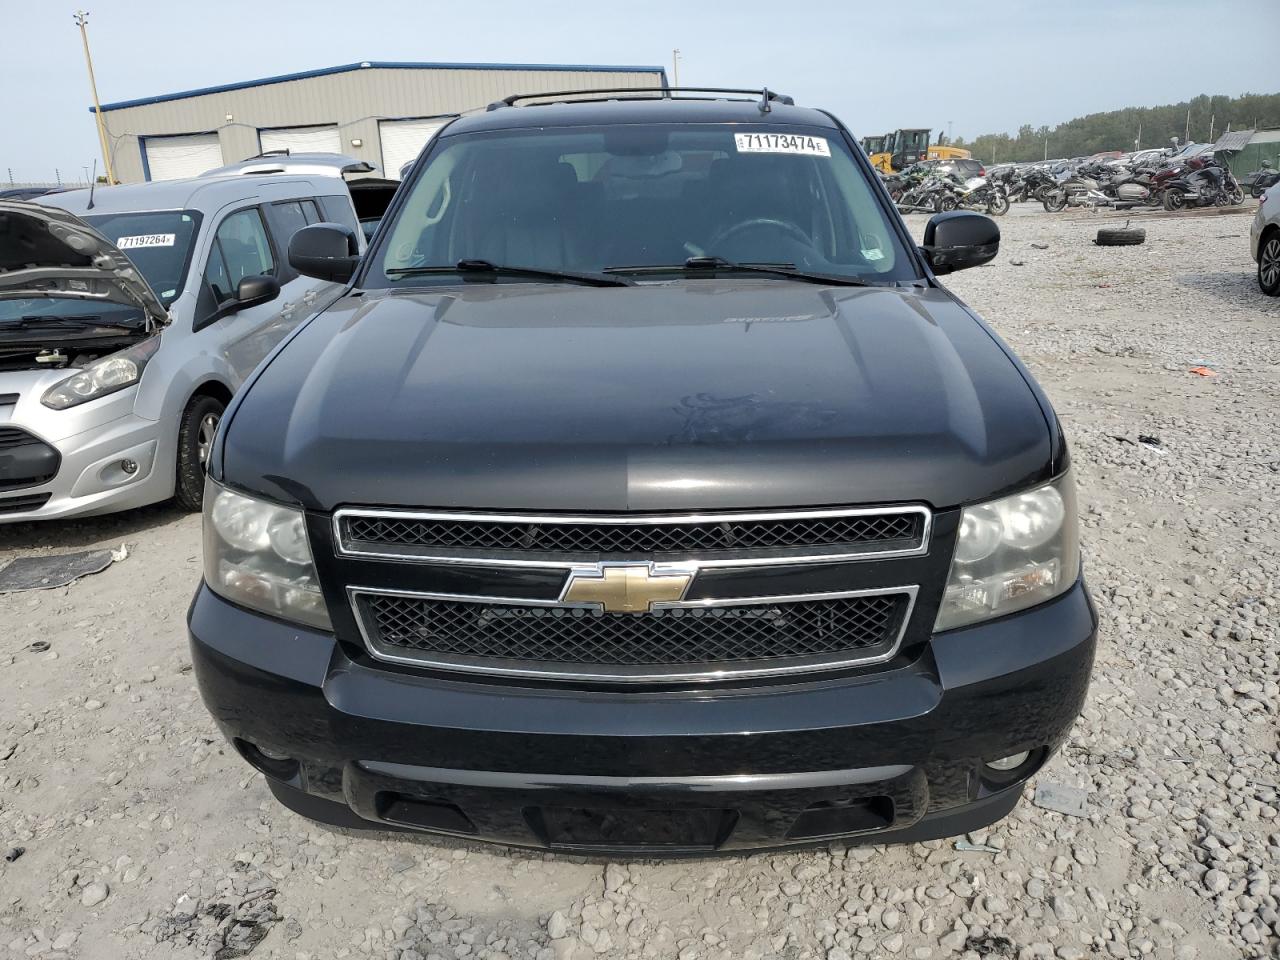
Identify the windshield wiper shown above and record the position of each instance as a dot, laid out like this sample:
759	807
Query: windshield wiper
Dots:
83	322
486	268
785	271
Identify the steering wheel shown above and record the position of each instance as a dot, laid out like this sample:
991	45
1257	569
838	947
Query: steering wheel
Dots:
754	222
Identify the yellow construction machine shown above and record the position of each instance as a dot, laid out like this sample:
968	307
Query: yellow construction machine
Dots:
902	148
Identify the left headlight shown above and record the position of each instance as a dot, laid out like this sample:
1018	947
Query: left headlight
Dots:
105	375
1012	554
256	554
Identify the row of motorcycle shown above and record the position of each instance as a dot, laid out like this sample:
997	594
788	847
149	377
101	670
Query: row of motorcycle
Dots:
937	187
1174	183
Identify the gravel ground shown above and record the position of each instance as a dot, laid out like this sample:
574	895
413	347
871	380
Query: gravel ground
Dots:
144	836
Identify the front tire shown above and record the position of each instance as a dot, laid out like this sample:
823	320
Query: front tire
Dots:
1056	201
998	205
1269	264
1237	196
1174	200
195	441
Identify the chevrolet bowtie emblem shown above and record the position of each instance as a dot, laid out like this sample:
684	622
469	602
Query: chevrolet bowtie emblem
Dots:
625	588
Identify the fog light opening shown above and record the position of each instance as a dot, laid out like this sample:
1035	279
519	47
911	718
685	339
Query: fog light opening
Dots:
1011	762
271	763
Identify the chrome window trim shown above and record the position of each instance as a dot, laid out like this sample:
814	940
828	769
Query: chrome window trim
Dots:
614	674
343	549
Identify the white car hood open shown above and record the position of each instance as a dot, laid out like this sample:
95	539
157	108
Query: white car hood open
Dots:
47	252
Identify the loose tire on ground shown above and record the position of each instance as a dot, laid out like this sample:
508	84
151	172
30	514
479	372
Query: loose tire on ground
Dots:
1121	236
195	438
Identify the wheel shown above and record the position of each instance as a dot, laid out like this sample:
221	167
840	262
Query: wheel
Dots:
1174	200
998	205
1256	191
195	440
1269	264
1121	236
1056	201
1237	196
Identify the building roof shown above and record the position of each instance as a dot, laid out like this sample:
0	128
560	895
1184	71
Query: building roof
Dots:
382	65
1235	140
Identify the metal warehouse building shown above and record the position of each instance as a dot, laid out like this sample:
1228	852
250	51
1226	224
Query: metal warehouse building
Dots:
379	112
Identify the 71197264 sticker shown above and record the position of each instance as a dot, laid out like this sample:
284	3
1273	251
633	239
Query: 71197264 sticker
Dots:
782	143
146	240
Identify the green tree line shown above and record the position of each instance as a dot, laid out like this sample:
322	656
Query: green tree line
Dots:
1121	129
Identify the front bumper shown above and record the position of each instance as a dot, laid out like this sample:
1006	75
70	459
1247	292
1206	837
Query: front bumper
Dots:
893	755
90	479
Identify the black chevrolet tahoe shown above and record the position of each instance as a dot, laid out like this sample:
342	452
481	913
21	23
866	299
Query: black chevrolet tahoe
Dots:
644	492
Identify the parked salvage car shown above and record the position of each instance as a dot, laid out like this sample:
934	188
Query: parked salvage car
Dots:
128	318
644	491
1264	241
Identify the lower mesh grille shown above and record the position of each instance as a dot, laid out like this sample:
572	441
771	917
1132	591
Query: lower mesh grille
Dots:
721	638
23	504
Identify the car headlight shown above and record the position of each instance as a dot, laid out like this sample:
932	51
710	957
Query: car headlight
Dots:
1012	554
105	375
256	554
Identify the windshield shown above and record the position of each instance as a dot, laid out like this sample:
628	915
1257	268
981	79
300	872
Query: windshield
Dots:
159	244
590	199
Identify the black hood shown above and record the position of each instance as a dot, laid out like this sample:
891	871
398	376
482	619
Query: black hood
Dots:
679	396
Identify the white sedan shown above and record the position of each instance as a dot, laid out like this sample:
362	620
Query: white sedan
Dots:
1264	241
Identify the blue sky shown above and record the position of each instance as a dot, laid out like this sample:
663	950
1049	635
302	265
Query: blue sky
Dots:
982	66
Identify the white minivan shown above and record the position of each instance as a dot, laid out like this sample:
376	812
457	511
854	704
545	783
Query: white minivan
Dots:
129	316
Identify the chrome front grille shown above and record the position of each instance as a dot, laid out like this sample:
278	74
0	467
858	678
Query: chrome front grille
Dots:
680	640
635	624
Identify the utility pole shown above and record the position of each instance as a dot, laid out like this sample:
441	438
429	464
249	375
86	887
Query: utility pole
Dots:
675	67
81	18
1137	144
1212	117
1046	149
1186	136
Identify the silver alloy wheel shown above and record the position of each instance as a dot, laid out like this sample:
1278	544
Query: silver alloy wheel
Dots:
1269	264
204	437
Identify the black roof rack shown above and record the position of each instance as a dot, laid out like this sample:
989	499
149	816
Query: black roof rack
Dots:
766	95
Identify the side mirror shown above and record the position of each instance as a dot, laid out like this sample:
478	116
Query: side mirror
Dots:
326	251
958	240
252	291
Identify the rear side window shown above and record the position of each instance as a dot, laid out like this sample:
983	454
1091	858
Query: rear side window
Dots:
240	249
285	219
338	210
288	218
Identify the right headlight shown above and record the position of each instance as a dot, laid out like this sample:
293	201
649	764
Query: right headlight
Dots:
256	554
1012	554
104	375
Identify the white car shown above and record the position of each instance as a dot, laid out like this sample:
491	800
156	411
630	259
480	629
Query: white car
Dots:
1264	241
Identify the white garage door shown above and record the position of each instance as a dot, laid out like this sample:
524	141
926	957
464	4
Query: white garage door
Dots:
402	141
301	139
172	158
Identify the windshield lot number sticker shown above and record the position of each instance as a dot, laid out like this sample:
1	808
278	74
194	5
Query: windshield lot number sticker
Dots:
147	240
782	143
